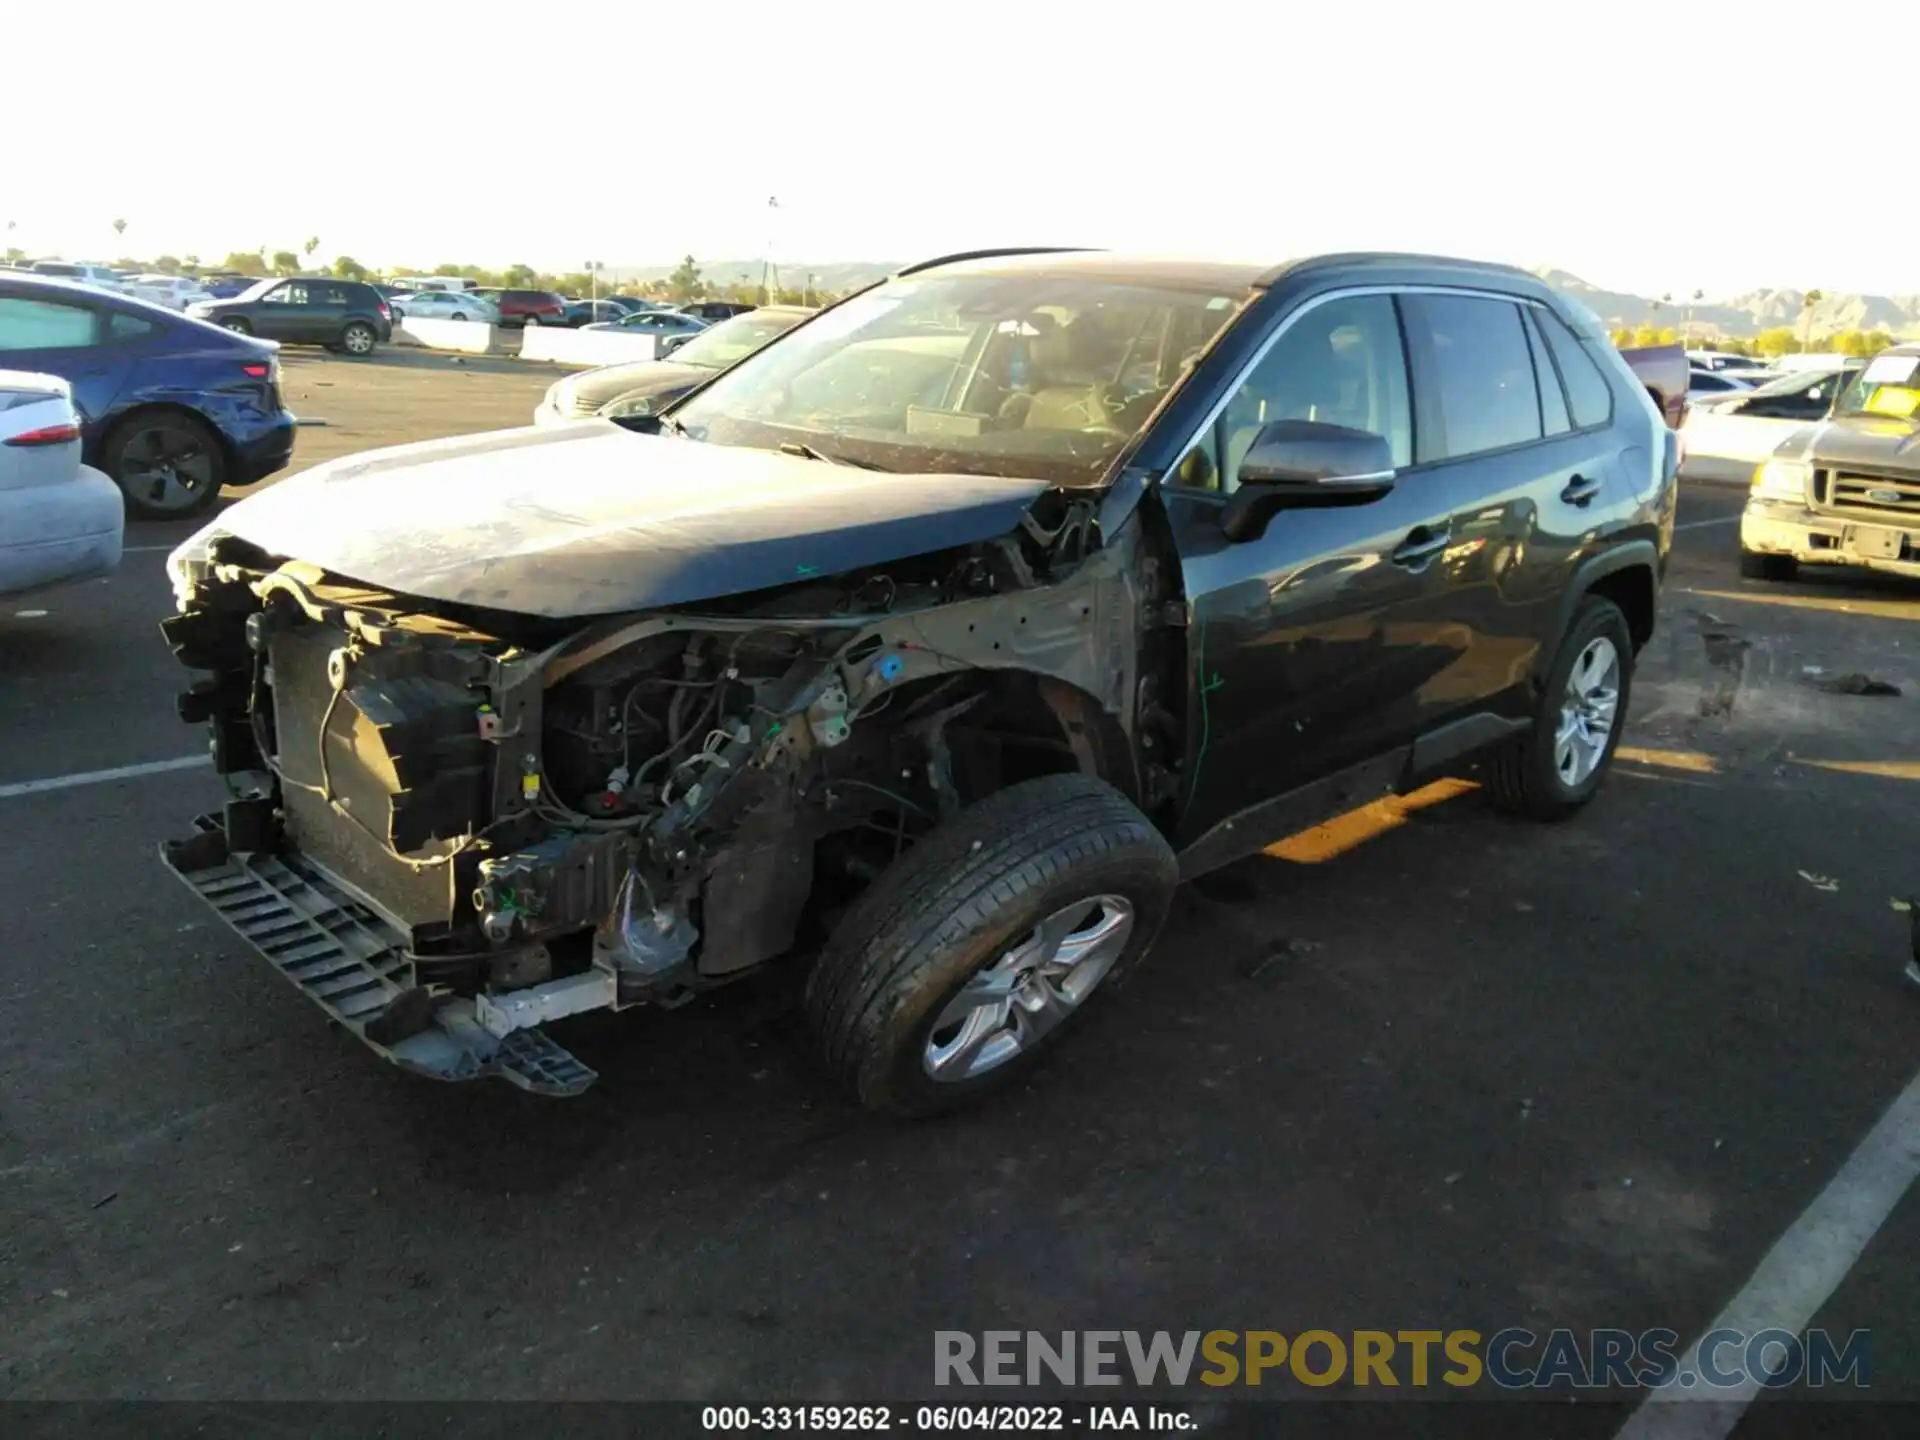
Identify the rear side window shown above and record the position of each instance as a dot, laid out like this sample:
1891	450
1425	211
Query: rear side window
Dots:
44	324
1482	376
124	327
1588	394
1553	401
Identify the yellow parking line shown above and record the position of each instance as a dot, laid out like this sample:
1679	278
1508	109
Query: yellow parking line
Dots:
1691	760
1881	609
1344	832
1885	769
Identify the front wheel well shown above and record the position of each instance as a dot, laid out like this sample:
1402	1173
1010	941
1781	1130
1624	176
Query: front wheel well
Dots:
1008	726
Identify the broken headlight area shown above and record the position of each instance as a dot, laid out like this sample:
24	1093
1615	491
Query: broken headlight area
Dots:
533	818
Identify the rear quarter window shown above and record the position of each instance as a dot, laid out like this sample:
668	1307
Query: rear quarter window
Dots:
124	328
1588	394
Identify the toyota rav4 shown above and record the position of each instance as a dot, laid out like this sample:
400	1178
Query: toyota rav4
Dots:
934	644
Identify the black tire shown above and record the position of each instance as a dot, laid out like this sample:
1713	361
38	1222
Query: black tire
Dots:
955	905
1756	566
358	338
238	324
1523	776
168	465
458	315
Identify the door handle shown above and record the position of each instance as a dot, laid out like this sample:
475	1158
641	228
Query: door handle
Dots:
1416	552
1580	491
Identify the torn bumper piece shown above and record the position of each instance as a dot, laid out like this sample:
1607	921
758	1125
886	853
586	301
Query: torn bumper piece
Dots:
354	965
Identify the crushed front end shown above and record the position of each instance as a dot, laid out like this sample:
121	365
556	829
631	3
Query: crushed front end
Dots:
449	826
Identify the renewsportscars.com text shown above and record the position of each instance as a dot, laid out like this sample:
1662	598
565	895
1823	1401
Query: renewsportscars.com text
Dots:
1510	1359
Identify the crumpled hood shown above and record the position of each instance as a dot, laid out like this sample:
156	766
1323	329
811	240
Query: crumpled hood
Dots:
591	519
1871	442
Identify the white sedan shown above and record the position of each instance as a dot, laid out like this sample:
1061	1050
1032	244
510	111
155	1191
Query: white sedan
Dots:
1727	435
59	520
446	305
176	292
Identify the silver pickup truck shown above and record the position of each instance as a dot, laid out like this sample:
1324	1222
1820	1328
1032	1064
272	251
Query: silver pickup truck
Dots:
1845	490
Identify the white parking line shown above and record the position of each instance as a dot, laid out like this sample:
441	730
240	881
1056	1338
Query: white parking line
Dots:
100	777
1700	524
1798	1275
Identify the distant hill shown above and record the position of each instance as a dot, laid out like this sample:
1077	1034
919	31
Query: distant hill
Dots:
1746	315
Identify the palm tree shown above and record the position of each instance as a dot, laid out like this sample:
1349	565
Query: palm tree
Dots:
1807	304
313	244
1692	300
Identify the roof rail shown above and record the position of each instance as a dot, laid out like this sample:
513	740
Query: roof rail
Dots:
995	254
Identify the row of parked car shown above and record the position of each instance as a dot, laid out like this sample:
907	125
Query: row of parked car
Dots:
115	403
355	316
515	309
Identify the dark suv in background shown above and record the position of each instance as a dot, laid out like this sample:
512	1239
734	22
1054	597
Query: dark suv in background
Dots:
347	315
713	310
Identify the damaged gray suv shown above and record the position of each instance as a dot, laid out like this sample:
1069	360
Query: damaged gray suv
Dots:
933	645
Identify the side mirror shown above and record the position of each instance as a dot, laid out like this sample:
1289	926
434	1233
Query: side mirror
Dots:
1297	463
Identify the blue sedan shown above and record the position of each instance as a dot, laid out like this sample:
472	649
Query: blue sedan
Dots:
173	408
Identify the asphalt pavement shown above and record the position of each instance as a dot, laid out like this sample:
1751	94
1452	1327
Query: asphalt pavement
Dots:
1466	1073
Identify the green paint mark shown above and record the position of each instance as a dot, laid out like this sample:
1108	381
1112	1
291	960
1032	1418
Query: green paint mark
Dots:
1208	684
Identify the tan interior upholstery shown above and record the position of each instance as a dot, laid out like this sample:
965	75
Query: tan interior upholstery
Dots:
1069	395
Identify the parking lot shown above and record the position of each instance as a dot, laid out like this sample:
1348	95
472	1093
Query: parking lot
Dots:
1441	1069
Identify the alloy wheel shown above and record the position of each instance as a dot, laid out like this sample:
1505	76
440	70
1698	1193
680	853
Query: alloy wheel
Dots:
167	467
1588	713
1008	1007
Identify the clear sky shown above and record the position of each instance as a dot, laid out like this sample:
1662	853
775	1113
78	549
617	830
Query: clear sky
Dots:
1645	147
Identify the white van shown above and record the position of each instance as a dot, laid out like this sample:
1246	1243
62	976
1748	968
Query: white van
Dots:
417	283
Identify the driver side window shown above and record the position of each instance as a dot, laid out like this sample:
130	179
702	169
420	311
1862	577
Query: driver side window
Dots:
1342	363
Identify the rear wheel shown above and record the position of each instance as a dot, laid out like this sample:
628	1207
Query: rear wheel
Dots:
533	320
963	964
1757	566
358	338
1554	768
168	465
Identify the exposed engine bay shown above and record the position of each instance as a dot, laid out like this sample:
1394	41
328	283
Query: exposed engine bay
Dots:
538	817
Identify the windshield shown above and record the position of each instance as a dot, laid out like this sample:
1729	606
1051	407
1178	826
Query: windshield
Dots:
1794	384
1046	376
1890	386
734	339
